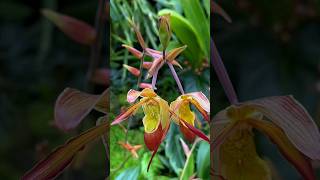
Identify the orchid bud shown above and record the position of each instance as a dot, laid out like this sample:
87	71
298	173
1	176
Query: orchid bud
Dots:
132	70
77	30
164	30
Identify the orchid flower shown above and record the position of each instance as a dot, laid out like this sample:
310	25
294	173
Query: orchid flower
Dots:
281	118
185	118
132	149
157	115
156	120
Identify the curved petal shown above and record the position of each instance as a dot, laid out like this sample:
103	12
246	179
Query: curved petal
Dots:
286	147
73	105
148	92
201	99
133	95
294	120
195	131
155	65
123	116
189	135
60	158
174	53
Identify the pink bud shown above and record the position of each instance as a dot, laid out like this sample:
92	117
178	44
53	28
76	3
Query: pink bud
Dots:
132	70
77	30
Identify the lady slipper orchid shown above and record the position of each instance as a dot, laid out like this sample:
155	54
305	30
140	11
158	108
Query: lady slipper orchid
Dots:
184	115
156	120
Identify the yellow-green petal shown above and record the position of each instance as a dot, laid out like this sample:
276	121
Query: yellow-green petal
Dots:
151	120
239	159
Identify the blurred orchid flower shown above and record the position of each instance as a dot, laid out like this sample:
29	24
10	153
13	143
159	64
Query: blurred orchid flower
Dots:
183	114
281	118
156	120
130	148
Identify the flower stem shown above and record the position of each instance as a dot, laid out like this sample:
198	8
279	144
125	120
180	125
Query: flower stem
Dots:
140	68
222	74
176	77
154	79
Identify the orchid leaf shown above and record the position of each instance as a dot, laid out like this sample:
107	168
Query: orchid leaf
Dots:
77	30
189	168
131	173
203	161
61	157
195	14
287	113
173	149
73	105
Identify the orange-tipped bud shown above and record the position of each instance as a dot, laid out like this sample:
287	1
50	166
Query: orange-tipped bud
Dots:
138	34
134	51
77	30
145	85
132	70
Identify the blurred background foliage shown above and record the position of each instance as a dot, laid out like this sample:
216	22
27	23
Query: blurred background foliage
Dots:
271	48
170	160
37	61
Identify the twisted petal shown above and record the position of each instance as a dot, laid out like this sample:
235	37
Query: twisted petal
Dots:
285	146
294	120
201	99
73	105
133	95
123	116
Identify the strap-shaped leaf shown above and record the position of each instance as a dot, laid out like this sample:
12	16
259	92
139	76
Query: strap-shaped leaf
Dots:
287	113
60	158
73	105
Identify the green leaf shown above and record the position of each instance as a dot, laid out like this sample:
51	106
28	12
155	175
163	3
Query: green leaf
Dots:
188	169
186	33
131	173
203	161
173	150
196	16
